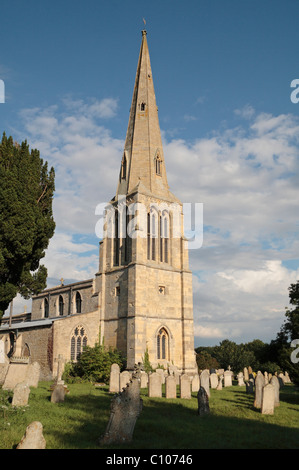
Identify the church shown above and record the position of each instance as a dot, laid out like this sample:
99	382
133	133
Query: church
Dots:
141	299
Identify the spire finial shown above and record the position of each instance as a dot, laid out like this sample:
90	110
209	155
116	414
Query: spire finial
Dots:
144	30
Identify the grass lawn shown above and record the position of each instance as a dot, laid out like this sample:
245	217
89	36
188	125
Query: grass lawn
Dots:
81	419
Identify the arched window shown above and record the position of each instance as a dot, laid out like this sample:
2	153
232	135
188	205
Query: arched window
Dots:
78	342
158	165
46	308
78	303
61	305
152	234
124	168
162	344
164	237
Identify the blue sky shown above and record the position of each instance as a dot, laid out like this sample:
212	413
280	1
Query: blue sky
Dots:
222	73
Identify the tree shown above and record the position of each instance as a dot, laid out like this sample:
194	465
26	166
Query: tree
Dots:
26	220
289	331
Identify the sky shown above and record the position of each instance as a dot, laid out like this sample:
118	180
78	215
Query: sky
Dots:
229	120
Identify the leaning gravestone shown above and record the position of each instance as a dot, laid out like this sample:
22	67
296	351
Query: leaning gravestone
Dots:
268	398
16	373
213	380
170	386
114	379
58	394
185	386
21	394
143	379
259	384
33	437
205	381
275	383
155	385
125	409
203	402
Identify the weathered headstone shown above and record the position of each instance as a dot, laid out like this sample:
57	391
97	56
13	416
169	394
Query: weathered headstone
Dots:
203	402
213	380
195	383
33	374
205	381
3	372
124	379
219	385
185	386
246	375
266	378
33	437
114	381
162	374
125	409
227	378
240	379
268	397
58	393
3	357
259	384
170	387
143	379
274	381
16	373
21	394
154	385
249	386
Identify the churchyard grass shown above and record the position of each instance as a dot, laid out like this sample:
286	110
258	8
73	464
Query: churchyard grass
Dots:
81	419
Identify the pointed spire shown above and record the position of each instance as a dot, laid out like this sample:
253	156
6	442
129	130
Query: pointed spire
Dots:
143	159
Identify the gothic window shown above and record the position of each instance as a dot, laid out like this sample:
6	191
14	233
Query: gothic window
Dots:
164	237
46	308
158	164
116	240
162	344
78	303
78	342
61	305
124	168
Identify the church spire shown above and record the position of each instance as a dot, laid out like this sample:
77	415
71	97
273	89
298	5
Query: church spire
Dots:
143	160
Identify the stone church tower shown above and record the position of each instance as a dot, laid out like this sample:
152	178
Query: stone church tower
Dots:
144	282
141	297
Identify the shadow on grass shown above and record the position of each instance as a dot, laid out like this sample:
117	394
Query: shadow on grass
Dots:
81	420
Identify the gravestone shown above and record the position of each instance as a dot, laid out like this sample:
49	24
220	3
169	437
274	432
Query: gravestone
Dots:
205	381
125	409
219	386
266	378
240	379
124	379
274	381
259	384
114	380
287	377
195	384
58	393
155	385
33	374
16	373
3	357
170	387
249	386
246	375
185	386
249	371
268	398
33	437
3	372
143	379
21	394
203	402
213	380
227	378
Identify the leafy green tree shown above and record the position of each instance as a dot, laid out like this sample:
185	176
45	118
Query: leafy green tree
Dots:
26	220
204	360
